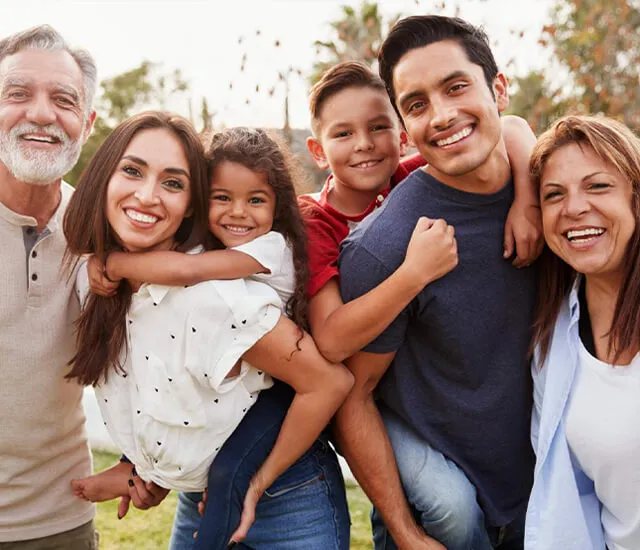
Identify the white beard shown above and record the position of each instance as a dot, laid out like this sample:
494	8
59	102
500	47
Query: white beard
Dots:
33	166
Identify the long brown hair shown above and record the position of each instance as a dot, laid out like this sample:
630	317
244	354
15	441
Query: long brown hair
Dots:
263	152
615	144
101	330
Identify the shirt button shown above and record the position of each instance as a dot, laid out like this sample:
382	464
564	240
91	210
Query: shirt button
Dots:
34	254
34	277
380	198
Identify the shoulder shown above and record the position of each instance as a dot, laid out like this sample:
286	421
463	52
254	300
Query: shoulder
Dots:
406	166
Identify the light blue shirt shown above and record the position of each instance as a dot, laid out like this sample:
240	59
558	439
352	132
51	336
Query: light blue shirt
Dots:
563	511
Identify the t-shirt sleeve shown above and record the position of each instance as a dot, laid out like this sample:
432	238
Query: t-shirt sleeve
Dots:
324	248
82	283
361	272
270	250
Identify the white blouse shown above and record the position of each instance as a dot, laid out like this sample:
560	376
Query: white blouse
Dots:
171	409
603	430
273	252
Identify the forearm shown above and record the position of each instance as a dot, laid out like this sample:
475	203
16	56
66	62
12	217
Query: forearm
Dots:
363	440
520	141
176	268
353	325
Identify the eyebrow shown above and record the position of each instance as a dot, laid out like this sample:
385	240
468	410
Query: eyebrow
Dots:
11	82
168	170
441	82
585	178
225	190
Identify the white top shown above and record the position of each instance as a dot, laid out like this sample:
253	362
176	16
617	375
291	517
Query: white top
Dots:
43	442
603	431
272	251
172	409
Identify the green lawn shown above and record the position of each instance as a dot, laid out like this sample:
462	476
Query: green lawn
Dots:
149	530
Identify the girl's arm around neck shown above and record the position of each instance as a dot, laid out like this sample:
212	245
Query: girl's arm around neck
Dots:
166	267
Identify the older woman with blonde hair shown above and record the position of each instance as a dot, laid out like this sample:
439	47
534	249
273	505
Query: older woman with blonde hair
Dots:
586	367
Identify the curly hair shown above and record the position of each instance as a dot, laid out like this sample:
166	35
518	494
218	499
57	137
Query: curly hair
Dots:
265	152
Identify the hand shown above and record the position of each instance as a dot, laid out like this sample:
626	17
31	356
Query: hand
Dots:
523	233
421	542
145	495
248	510
99	282
203	503
432	251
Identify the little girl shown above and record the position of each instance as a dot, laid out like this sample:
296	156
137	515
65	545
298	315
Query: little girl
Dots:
253	212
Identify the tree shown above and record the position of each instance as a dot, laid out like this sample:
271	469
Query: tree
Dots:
597	47
358	35
123	95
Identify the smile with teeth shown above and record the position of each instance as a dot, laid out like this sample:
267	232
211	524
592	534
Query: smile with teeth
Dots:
140	217
366	164
455	137
237	229
584	235
40	138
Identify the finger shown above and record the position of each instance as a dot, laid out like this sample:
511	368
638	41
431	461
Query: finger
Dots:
123	506
439	225
509	242
138	494
424	222
247	517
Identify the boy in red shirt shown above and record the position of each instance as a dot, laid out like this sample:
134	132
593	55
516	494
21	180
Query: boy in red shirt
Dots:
357	135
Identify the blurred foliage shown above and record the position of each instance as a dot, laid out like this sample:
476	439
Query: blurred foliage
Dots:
596	44
145	87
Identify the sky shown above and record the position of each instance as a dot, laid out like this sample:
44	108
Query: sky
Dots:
206	40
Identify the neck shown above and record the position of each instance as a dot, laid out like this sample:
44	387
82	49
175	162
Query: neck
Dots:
602	297
351	201
489	177
38	201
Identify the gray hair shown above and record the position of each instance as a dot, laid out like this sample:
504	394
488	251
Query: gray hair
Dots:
45	37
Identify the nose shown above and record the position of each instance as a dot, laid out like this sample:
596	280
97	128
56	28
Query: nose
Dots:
576	204
41	111
238	208
443	113
146	192
364	142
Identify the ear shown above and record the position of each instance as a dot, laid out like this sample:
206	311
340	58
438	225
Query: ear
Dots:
317	152
501	91
404	143
88	126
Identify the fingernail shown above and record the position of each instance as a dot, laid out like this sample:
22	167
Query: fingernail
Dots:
131	483
119	516
133	471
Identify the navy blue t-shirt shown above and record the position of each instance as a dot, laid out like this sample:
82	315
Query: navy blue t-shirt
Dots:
460	377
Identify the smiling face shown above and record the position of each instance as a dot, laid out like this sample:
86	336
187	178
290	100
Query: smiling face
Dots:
359	139
587	211
449	112
149	193
242	204
42	115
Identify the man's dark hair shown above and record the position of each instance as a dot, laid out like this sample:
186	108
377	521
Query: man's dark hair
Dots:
421	30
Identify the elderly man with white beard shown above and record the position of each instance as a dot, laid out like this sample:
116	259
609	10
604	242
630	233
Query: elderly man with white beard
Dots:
46	93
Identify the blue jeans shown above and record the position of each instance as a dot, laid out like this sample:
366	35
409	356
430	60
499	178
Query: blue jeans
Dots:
443	499
306	507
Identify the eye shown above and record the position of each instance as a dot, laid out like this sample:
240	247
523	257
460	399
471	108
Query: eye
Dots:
379	127
131	171
457	87
175	185
256	200
599	186
550	195
65	101
17	94
219	197
415	106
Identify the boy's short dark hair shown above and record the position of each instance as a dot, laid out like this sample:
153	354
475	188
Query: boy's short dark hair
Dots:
348	74
421	30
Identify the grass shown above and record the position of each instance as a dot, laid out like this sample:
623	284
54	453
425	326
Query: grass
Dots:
150	530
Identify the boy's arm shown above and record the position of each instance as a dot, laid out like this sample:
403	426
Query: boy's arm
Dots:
363	440
171	268
523	228
340	329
